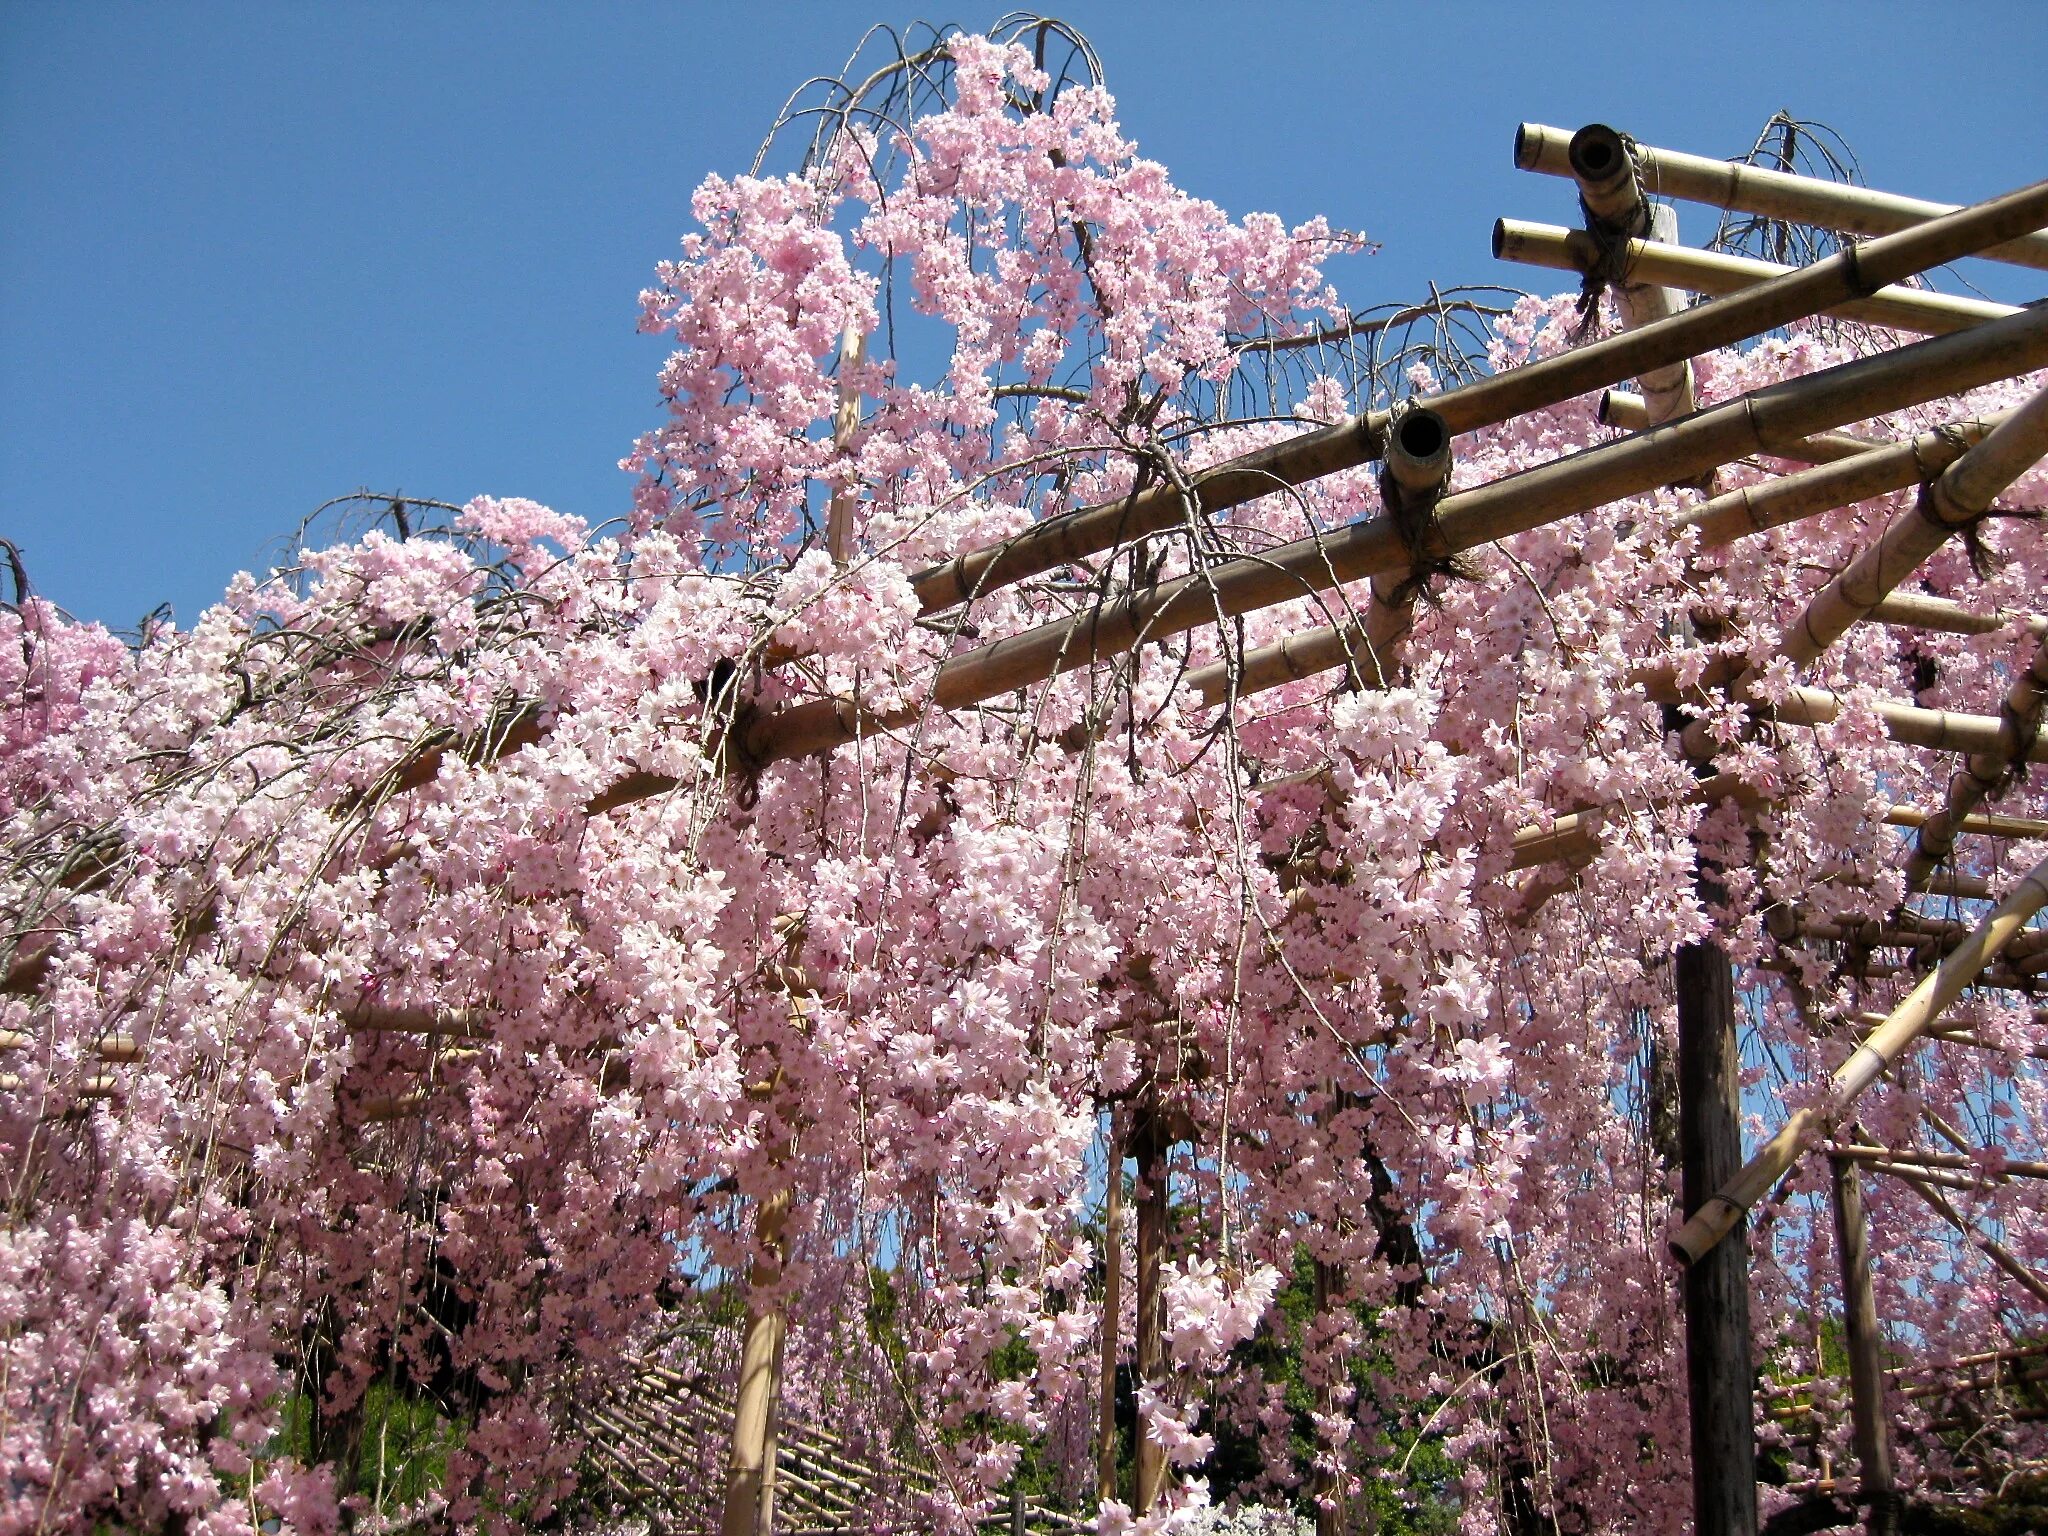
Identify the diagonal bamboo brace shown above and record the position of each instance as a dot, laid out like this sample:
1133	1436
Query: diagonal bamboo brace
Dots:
1882	1047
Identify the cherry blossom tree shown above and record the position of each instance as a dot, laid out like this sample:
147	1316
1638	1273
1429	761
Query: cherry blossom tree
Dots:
429	969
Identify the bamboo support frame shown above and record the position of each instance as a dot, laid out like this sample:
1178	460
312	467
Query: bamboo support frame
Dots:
1980	824
1960	495
1902	1028
1770	194
1923	371
1954	1162
1917	610
1984	773
1877	469
1059	541
1716	273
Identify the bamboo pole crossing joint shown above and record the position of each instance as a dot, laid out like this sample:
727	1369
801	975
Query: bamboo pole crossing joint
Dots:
1742	188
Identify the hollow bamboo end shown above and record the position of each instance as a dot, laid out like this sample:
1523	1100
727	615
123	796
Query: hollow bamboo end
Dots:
1704	1230
1598	155
1526	138
1500	239
1418	451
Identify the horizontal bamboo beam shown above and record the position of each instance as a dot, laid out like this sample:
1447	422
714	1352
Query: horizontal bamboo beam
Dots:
1925	370
1939	730
1722	519
1917	610
1630	412
1877	471
1906	1023
1858	270
1864	1023
114	1048
1907	1157
1770	194
1980	824
1716	273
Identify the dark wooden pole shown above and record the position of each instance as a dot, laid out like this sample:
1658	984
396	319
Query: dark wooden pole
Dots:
1112	1313
1866	1367
1149	1145
1719	1383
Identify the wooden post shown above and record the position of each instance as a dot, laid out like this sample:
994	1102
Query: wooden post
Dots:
1717	1350
1866	1368
750	1473
1112	1310
1149	1145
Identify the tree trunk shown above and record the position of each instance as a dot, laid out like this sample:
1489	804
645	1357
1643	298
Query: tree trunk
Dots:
750	1472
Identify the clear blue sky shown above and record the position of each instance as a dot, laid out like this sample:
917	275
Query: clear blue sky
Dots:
255	255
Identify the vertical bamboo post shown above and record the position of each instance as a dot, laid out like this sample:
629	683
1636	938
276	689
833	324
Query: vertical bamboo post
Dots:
1149	1144
853	351
1717	1349
1866	1368
1611	193
750	1473
1112	1313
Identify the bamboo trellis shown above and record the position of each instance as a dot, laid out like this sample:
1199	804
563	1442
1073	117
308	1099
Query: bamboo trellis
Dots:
1961	469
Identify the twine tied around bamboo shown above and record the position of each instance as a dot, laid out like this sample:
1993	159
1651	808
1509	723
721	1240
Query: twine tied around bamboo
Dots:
1610	239
1412	511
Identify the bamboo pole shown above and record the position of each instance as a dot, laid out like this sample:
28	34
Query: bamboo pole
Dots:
1059	541
1417	472
1717	273
1865	1022
1865	1344
1917	610
1629	412
1876	471
1984	774
1770	194
1903	1027
1616	211
1923	371
853	350
1910	725
2022	828
1955	1162
750	1478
